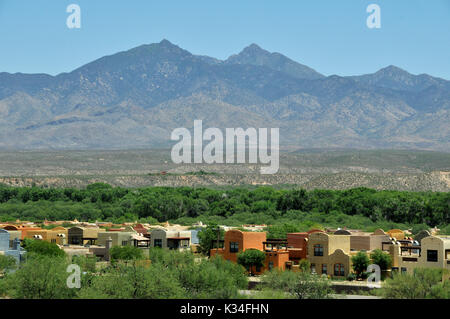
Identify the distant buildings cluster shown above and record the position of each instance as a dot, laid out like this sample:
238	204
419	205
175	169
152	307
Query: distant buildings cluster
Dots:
328	252
95	239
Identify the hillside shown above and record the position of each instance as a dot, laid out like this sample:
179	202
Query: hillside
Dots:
134	99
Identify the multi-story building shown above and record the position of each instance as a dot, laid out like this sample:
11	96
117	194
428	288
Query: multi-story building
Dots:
236	241
434	252
329	254
172	239
82	235
117	238
298	244
57	235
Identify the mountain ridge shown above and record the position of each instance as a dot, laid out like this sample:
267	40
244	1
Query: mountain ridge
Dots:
135	98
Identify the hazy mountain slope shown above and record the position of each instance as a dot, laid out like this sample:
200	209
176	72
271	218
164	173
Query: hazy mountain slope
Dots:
137	97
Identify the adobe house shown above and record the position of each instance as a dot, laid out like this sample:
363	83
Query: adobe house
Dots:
434	252
236	241
297	244
82	235
118	238
23	229
163	238
329	254
57	235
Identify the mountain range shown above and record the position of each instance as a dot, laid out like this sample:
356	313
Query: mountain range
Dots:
134	99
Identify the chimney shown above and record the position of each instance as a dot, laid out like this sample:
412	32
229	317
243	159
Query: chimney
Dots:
108	246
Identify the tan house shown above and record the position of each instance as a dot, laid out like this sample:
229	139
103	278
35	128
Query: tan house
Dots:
434	252
329	254
118	238
57	235
82	235
172	239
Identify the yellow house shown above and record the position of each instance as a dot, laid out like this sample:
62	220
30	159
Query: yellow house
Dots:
329	254
57	235
434	252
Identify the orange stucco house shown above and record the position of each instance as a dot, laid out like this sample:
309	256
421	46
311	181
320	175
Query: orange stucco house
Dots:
237	241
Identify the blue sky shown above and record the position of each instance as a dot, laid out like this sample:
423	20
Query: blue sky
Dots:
328	35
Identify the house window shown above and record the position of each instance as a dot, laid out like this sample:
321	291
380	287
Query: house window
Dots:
157	243
124	243
339	270
234	247
403	269
318	250
313	268
53	241
324	269
270	265
432	255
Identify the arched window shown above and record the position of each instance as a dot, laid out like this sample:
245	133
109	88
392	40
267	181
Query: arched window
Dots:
339	270
318	250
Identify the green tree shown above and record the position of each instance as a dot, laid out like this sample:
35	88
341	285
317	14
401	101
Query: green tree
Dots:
250	258
360	262
208	238
381	258
41	247
40	277
304	265
126	253
6	263
131	281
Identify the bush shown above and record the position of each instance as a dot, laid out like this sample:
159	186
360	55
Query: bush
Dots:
351	276
40	277
250	258
381	258
125	253
424	283
301	285
360	262
42	248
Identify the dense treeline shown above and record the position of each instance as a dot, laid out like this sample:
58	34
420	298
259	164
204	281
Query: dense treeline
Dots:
359	206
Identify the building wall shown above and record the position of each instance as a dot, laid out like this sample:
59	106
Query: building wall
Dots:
158	234
4	240
360	242
118	238
367	242
440	244
194	236
336	250
82	232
